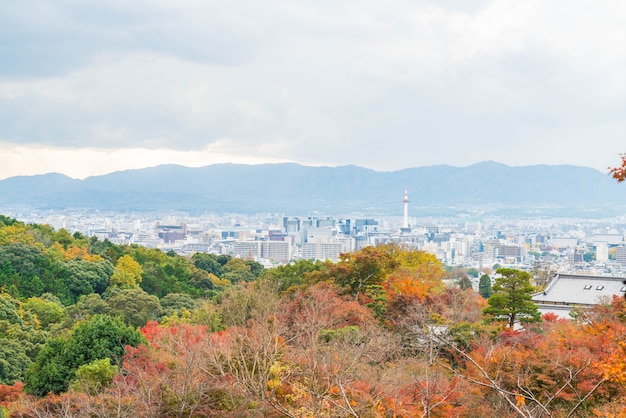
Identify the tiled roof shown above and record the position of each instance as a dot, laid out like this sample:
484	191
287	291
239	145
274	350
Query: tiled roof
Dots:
580	290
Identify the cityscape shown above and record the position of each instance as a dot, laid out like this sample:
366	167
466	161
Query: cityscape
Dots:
355	209
593	247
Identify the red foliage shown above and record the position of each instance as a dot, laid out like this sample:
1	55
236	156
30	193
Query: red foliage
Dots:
320	307
551	317
10	393
619	172
180	337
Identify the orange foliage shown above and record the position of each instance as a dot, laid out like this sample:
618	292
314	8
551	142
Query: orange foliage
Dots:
10	393
74	252
561	366
619	172
405	283
320	307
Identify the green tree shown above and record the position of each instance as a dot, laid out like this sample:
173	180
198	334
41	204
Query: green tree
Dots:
63	237
92	378
20	325
177	302
484	286
473	272
106	249
22	265
256	268
85	277
292	274
209	315
13	361
6	221
200	279
511	299
208	263
47	312
236	270
98	338
465	282
134	306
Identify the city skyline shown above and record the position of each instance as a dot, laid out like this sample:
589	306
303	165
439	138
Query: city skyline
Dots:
92	89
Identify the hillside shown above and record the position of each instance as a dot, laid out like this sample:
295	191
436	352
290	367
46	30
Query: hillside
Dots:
293	188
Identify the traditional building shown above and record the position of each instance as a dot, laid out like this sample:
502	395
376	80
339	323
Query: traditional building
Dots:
568	290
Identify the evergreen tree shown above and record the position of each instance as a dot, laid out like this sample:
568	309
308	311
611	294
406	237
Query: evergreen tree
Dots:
511	300
100	337
465	282
484	286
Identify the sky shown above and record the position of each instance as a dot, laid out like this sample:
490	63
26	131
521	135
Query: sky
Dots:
88	88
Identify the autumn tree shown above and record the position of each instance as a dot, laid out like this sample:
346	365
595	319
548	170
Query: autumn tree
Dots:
357	270
8	395
619	172
127	272
511	300
168	377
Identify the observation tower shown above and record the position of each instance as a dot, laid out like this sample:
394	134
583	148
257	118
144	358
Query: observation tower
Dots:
405	222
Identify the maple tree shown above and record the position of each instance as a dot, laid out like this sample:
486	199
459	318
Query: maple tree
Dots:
619	172
376	335
10	394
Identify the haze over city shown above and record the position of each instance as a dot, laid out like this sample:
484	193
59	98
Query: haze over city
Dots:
87	89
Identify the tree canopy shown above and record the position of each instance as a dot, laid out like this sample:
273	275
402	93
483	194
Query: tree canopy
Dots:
100	337
511	300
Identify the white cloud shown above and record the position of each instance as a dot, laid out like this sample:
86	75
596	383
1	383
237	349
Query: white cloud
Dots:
85	162
381	84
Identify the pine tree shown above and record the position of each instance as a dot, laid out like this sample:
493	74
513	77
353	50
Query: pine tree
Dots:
511	300
484	286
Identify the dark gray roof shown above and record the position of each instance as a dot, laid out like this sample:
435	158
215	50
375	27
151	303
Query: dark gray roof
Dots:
571	289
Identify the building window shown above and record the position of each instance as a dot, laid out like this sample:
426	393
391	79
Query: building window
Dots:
623	289
599	287
588	287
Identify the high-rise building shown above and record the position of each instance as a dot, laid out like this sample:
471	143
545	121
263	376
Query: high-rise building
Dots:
620	255
277	251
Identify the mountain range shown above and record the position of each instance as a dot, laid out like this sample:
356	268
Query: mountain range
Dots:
293	188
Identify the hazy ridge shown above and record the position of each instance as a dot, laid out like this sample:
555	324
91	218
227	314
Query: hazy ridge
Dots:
291	187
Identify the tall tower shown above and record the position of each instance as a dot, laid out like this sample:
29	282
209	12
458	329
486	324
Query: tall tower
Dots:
405	223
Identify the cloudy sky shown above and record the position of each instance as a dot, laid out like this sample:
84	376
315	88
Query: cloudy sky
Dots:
90	87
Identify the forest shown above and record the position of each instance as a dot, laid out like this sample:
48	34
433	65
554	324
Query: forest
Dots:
95	329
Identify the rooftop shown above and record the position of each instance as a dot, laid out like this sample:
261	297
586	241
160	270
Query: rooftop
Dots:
570	289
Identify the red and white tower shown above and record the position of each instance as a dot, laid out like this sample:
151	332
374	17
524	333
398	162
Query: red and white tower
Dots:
405	223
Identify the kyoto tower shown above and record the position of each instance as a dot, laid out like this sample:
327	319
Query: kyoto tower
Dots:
405	223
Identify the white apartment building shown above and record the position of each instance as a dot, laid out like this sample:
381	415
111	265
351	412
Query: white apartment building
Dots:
247	249
277	251
320	250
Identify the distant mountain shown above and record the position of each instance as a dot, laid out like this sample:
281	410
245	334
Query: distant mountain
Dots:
293	188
